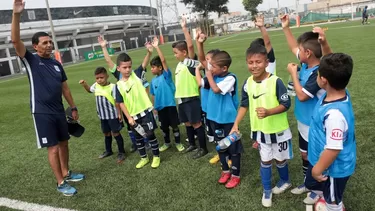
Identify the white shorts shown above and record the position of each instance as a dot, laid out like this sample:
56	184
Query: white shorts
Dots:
279	151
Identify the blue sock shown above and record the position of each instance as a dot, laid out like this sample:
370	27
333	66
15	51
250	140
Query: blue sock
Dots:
283	171
132	137
266	175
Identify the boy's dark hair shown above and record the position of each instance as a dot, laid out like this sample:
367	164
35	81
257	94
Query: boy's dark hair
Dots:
337	68
36	36
256	49
156	61
123	57
100	70
309	40
213	51
180	45
222	58
257	41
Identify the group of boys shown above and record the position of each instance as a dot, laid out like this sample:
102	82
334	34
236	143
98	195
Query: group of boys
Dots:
323	109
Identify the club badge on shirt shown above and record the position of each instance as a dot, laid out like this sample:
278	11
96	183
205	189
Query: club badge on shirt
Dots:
57	68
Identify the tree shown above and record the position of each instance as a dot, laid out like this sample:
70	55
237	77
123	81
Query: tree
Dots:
251	6
206	6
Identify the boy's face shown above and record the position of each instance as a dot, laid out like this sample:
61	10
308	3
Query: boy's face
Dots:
101	79
125	68
304	54
257	64
156	70
180	55
209	57
216	69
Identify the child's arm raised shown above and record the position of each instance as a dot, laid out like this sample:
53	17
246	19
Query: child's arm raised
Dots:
155	44
85	86
200	39
259	22
103	44
335	126
198	76
146	60
284	102
188	39
326	49
293	46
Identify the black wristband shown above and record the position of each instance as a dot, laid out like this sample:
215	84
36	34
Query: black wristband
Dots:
74	109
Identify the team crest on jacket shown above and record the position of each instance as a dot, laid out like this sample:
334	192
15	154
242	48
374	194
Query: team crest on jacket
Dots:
57	68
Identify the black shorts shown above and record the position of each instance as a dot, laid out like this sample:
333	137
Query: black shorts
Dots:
207	124
148	123
50	129
111	125
190	111
168	116
221	131
333	188
302	143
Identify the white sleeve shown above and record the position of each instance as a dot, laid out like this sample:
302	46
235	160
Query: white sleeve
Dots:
271	68
202	82
336	129
114	92
227	85
92	88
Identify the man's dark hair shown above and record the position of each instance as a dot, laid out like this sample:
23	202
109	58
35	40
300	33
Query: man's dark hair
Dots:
222	58
156	61
256	49
337	68
309	40
100	70
36	36
257	41
180	45
213	51
123	57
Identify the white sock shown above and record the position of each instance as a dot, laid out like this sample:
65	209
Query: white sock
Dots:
334	207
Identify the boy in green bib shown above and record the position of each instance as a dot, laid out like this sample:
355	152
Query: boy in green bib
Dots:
137	107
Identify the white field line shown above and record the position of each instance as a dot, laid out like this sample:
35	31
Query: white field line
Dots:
20	205
225	38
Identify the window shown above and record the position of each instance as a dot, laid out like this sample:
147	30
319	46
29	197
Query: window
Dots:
31	14
115	10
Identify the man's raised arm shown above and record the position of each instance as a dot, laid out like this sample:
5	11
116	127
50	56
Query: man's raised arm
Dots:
18	7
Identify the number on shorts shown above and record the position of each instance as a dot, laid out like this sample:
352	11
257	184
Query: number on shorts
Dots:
283	146
150	125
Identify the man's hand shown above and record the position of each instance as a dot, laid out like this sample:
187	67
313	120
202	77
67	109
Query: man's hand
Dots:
155	42
262	112
131	121
292	68
284	21
102	42
18	6
259	20
82	82
75	115
183	22
149	47
322	35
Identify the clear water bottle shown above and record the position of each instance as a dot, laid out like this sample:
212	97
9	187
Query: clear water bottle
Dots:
137	127
290	89
227	141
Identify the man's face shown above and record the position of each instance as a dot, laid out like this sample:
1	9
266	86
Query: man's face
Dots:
44	47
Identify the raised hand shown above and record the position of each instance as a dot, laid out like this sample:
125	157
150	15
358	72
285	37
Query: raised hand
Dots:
285	21
259	20
149	47
201	38
102	42
18	6
292	68
82	82
322	35
155	42
183	22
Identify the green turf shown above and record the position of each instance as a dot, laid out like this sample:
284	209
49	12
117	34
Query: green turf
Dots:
180	183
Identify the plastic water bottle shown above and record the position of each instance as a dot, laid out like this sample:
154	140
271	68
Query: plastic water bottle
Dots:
137	127
290	89
227	141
